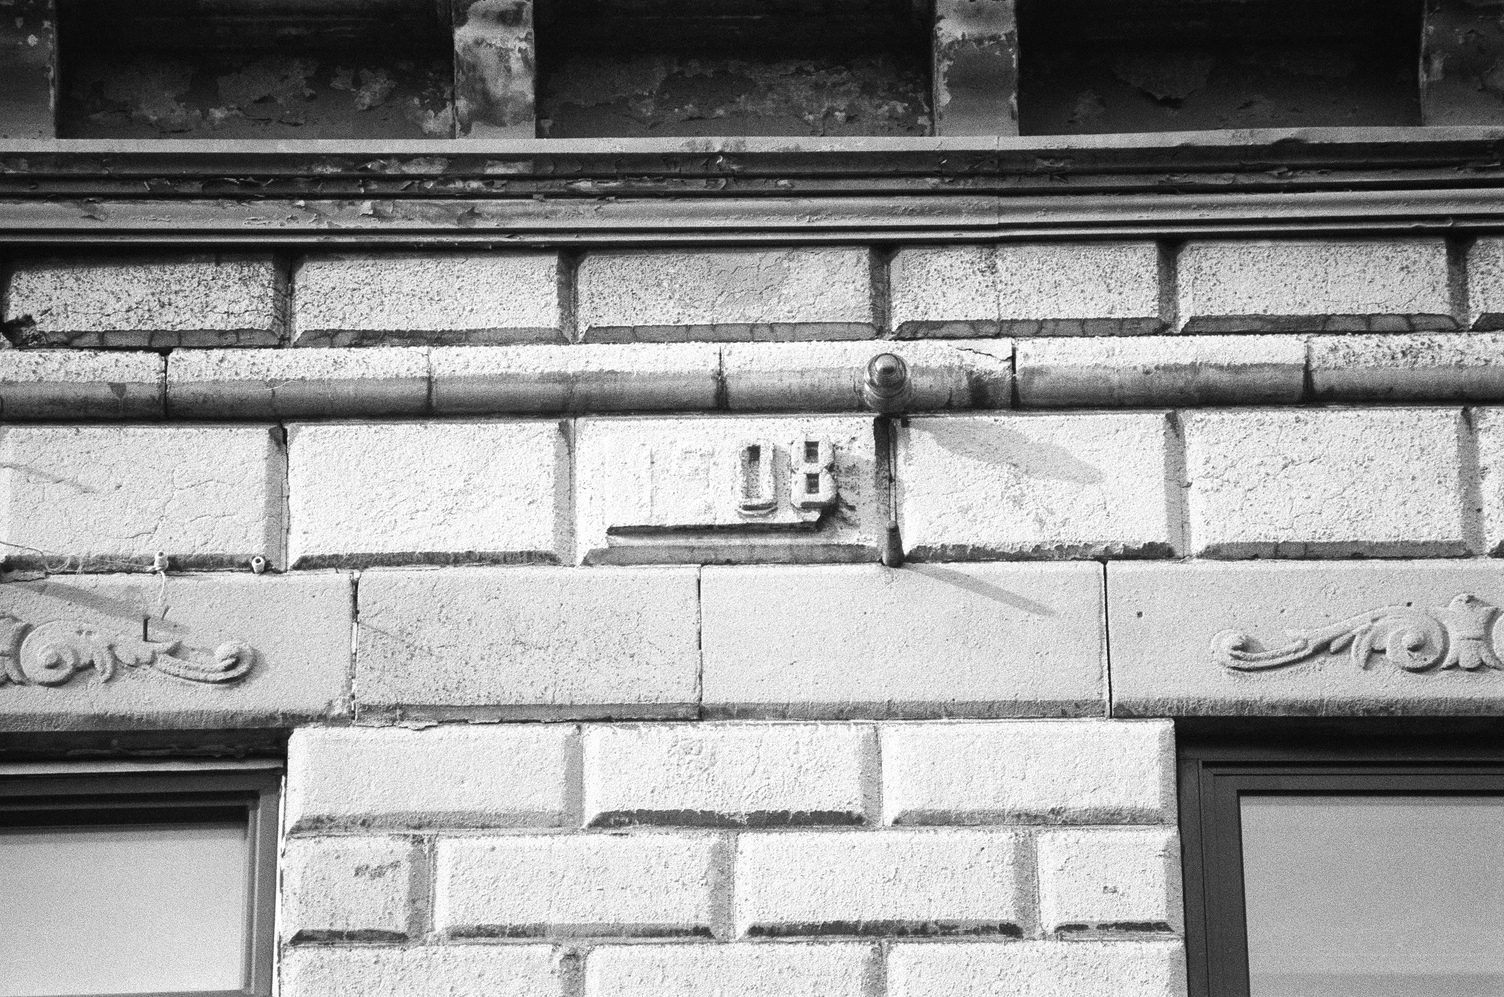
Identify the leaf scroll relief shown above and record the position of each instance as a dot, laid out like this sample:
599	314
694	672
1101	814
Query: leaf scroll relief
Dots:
49	654
1456	636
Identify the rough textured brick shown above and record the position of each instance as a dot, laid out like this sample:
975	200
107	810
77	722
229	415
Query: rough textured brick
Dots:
721	294
1485	283
631	884
69	385
1467	366
488	492
892	882
350	889
1160	370
828	377
779	969
1104	879
722	774
1326	483
438	971
279	384
1040	289
420	298
483	643
1037	486
923	641
440	777
578	378
146	301
1028	772
1309	285
1039	969
107	498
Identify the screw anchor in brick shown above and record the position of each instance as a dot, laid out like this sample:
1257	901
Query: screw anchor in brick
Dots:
887	388
258	564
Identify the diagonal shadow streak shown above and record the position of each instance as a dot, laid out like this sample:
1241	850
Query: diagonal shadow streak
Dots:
976	586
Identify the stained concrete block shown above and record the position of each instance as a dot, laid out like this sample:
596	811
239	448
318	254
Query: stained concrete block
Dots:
428	971
1109	879
793	969
1485	283
577	378
284	384
74	385
1465	366
1326	483
725	294
975	68
838	641
1160	370
494	69
187	651
109	498
393	299
128	301
1316	639
528	643
1315	285
829	377
437	492
1039	969
1038	486
350	889
28	54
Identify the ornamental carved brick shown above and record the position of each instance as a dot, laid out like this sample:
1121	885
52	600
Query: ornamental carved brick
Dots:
49	654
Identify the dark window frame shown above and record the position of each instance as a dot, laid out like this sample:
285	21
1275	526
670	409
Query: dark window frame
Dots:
57	797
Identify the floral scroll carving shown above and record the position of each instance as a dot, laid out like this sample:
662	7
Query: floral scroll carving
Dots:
49	654
1456	636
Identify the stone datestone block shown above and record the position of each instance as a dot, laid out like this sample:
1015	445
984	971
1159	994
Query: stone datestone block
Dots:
964	882
154	302
393	299
350	889
74	385
432	971
28	51
729	489
1038	486
1126	879
494	69
1026	289
449	776
626	884
109	498
836	641
1442	367
1485	277
779	969
1311	285
1160	370
975	68
285	384
1039	969
1390	638
725	294
426	492
1028	772
577	378
528	643
720	774
1326	483
187	651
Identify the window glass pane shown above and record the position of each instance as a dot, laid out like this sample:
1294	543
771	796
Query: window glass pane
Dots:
1374	896
122	909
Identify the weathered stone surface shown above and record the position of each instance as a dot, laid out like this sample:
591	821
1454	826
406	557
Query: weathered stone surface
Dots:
426	298
450	776
28	52
828	377
1485	276
975	75
779	969
350	889
54	384
146	301
1126	879
200	632
494	63
1026	289
725	294
966	882
281	384
992	640
488	643
1488	424
1160	370
106	498
430	971
1037	486
1460	45
1040	969
726	774
1467	366
1028	772
1182	636
488	492
676	490
624	884
579	378
1309	285
1326	483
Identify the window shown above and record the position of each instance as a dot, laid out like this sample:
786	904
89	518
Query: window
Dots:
1319	871
141	879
